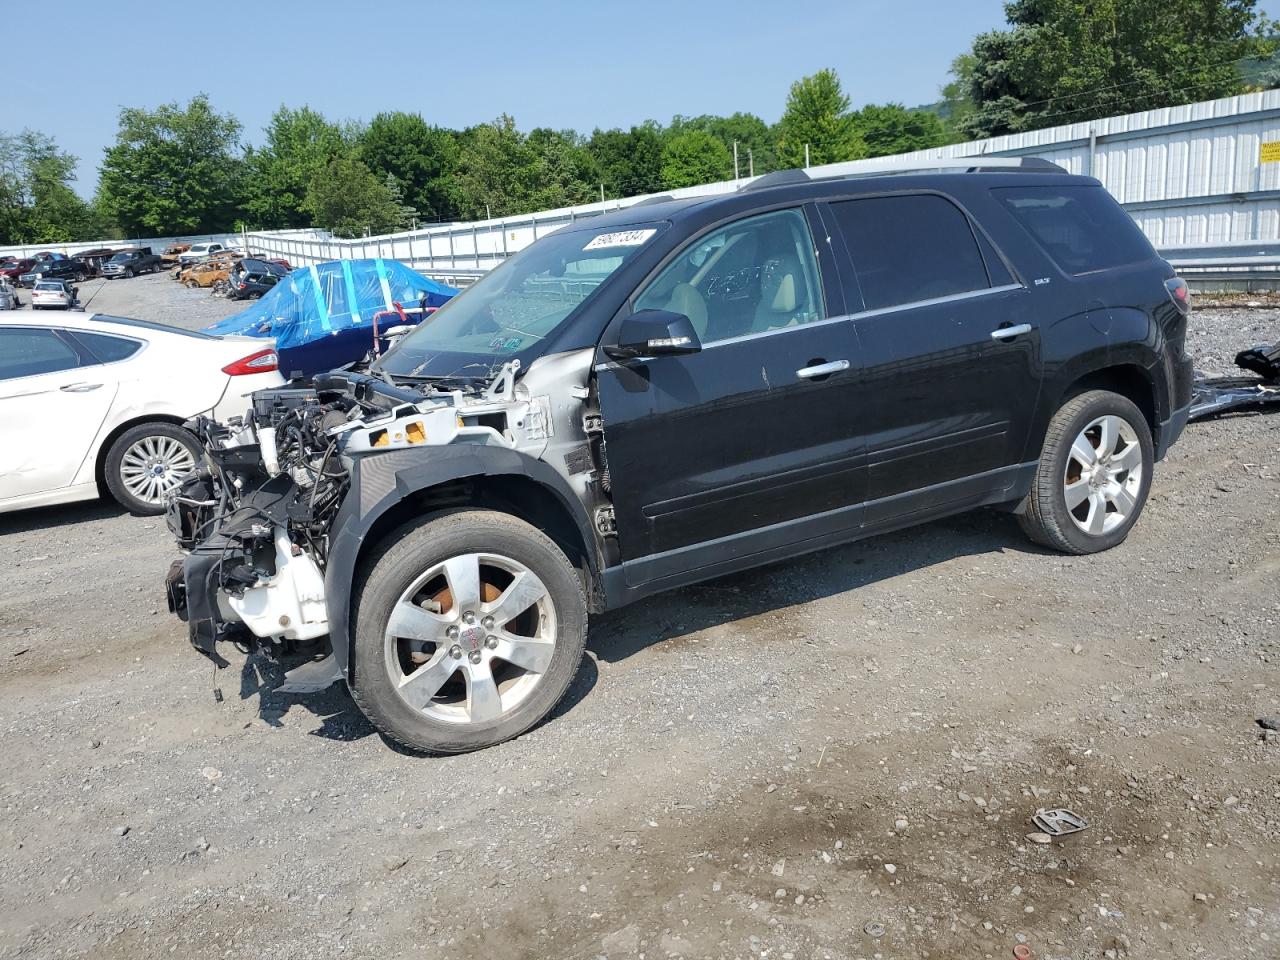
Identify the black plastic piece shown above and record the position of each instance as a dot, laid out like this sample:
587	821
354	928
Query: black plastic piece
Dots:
1264	361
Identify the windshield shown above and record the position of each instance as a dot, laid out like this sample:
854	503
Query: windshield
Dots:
121	257
49	285
509	312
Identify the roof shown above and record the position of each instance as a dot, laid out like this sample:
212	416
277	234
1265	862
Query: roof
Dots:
835	179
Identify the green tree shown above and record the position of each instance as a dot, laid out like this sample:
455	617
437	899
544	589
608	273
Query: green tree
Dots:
299	143
695	157
347	198
173	170
1067	60
37	201
753	136
421	158
629	162
892	128
498	174
817	114
957	102
566	172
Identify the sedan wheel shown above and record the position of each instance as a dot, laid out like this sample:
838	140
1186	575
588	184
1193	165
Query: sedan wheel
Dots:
148	462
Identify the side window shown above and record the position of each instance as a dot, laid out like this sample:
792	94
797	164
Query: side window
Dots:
28	353
1081	227
108	349
752	276
910	248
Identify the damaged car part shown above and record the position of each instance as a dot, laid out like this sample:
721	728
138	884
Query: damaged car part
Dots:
1214	395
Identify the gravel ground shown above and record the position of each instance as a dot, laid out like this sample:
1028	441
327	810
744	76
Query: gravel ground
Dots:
834	758
155	297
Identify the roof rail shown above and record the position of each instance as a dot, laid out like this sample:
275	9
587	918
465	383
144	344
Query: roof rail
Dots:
870	168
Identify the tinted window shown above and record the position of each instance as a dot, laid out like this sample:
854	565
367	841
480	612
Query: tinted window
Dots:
108	349
27	353
752	276
910	248
1081	227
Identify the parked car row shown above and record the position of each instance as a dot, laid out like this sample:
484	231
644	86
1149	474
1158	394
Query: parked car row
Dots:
98	262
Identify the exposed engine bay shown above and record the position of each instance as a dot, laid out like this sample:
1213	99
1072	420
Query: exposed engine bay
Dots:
258	520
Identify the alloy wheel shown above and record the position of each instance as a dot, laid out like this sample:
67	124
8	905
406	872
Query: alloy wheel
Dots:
153	466
1103	475
471	638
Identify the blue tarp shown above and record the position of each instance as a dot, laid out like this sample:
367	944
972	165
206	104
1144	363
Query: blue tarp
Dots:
322	316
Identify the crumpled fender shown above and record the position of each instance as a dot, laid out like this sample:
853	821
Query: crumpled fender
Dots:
381	481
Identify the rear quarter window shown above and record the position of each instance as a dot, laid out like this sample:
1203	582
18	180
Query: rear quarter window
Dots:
108	349
1081	228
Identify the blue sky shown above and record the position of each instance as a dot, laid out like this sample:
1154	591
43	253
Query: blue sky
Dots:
557	63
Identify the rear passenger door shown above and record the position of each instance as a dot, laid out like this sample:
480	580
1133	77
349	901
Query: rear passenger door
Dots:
950	354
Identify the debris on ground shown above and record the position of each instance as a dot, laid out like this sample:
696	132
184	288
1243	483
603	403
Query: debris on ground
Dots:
1059	822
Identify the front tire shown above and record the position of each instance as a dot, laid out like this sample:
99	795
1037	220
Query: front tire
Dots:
148	461
469	627
1093	477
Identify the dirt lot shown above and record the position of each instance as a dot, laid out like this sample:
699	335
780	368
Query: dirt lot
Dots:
831	758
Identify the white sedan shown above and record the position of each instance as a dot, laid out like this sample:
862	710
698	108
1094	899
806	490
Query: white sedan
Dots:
94	402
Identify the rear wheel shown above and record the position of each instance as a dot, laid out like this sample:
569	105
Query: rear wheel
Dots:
1093	477
469	628
147	462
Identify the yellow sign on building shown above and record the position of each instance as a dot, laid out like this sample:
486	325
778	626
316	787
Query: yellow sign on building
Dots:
1269	152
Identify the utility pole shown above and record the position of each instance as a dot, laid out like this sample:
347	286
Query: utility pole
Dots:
735	160
806	156
751	164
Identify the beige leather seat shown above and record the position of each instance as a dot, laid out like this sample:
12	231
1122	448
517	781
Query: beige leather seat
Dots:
687	300
782	294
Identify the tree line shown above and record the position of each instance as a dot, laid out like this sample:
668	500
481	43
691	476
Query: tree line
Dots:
183	169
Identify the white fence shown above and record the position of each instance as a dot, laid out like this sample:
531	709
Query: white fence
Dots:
155	243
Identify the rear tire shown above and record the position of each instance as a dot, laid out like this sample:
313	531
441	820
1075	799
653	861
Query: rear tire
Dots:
148	461
1093	476
487	668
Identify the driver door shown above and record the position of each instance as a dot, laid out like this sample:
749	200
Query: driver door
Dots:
749	444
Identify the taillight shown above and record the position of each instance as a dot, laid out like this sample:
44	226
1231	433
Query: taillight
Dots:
264	361
1179	293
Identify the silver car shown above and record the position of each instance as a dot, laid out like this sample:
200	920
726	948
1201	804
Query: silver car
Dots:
53	294
8	296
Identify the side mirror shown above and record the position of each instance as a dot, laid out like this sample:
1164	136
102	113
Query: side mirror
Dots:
654	333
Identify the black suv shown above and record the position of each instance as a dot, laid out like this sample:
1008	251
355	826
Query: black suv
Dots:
251	278
63	269
677	391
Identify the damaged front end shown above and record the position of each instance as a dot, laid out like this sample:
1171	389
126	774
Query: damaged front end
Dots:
259	520
255	522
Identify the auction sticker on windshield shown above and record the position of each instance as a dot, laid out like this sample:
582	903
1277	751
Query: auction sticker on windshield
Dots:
627	238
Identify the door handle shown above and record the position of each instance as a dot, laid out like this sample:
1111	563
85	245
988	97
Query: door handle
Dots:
822	369
1006	333
79	387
